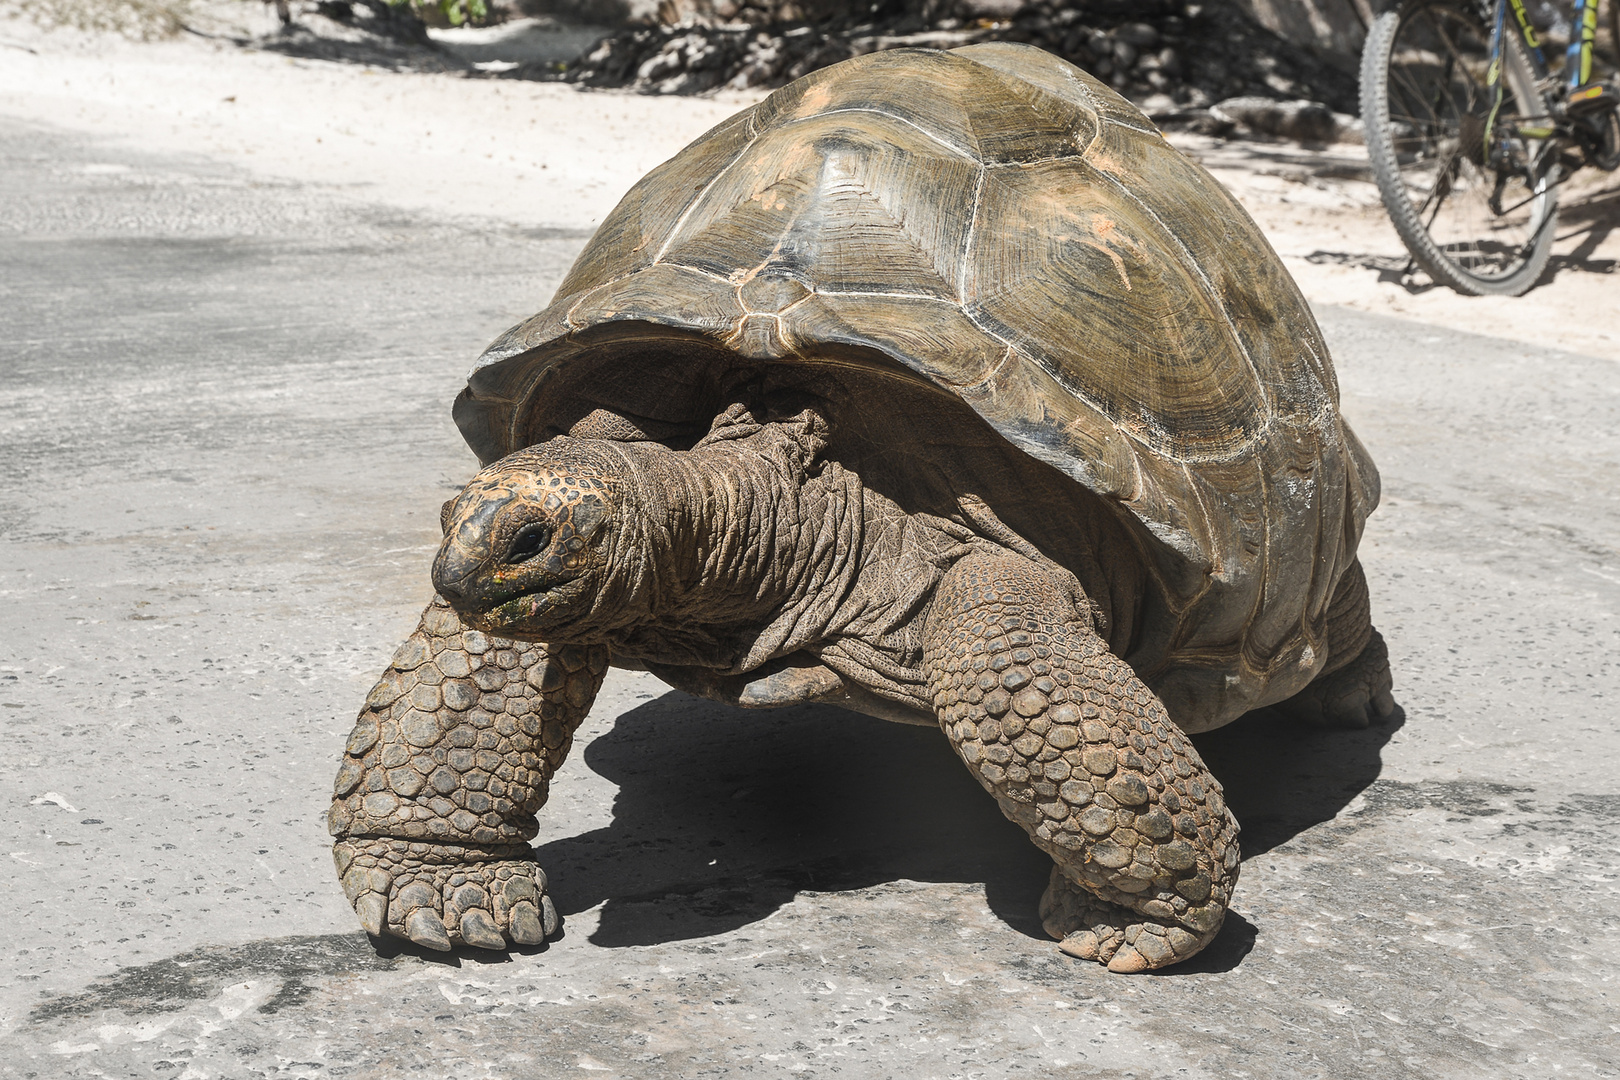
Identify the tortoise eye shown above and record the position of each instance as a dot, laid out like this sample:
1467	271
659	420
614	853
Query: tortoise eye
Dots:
529	542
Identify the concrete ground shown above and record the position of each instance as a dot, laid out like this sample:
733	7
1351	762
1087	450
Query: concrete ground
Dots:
224	436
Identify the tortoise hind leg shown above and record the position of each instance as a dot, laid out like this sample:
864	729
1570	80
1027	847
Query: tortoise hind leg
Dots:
1081	754
1355	687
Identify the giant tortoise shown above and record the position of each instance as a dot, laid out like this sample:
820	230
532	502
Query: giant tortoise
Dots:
938	386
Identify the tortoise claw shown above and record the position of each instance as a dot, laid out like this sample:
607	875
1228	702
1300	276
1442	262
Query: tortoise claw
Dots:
1383	703
410	894
1350	715
424	927
478	929
1082	945
1128	961
373	911
526	928
548	916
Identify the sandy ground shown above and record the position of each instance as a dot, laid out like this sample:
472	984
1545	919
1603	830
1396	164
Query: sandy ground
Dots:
534	154
550	156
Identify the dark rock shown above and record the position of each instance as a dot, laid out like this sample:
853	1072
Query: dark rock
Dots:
1141	35
1300	121
1150	50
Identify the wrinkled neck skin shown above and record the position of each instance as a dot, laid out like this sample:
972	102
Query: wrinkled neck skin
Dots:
727	552
751	546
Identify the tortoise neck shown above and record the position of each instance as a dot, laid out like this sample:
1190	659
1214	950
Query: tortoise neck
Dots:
742	534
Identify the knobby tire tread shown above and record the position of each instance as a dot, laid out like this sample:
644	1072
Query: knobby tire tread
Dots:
1403	215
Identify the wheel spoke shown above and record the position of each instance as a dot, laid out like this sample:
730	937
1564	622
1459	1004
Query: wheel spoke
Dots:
1471	226
1437	194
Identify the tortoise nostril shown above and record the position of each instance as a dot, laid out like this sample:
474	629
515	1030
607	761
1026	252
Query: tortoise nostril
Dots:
528	542
453	575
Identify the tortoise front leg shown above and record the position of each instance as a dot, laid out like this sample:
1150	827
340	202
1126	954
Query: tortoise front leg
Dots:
452	755
1081	754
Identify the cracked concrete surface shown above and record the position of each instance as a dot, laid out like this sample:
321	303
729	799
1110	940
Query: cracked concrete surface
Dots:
225	434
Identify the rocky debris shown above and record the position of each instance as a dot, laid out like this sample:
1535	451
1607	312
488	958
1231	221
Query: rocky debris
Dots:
359	31
1174	59
510	43
691	59
750	12
1204	67
1308	122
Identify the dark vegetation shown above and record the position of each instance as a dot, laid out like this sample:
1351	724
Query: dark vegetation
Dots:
1172	56
1175	58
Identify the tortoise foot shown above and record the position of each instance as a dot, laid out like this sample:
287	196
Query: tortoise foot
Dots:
1354	696
1125	942
444	895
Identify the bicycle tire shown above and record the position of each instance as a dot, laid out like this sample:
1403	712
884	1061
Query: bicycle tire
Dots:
1434	53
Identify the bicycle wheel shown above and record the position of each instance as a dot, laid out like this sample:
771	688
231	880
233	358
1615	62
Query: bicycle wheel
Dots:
1462	182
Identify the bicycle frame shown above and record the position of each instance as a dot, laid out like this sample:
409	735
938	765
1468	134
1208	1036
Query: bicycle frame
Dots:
1577	58
1499	151
1526	30
1551	127
1538	61
1578	62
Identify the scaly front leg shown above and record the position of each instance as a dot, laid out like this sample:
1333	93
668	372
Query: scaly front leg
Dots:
452	755
1081	754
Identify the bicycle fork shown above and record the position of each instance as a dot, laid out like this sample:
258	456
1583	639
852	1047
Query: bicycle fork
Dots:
1499	145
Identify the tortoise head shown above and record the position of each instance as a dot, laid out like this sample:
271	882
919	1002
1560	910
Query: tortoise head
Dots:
527	545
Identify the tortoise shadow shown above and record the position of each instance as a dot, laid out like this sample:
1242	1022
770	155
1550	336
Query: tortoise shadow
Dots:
1282	777
724	815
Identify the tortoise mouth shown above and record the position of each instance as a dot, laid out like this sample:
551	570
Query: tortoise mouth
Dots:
510	619
526	615
480	590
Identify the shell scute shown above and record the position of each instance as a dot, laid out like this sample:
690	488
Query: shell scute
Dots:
856	208
662	295
1226	257
1070	273
632	235
947	102
1060	79
949	349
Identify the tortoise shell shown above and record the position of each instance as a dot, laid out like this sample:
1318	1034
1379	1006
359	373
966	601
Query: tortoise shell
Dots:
994	230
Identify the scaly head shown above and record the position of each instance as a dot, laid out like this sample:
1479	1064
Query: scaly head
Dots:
528	544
